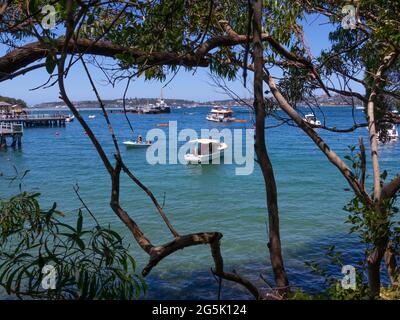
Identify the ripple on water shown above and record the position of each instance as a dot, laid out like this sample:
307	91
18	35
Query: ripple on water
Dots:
203	198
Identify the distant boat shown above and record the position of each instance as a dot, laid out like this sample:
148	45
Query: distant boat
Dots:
204	151
70	118
312	120
360	107
160	107
92	116
136	144
220	114
389	134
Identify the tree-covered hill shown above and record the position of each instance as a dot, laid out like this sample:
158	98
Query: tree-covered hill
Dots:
13	101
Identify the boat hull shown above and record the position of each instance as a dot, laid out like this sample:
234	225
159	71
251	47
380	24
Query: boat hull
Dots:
136	145
220	119
206	158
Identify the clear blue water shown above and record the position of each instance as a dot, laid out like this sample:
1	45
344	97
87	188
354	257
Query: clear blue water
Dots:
204	198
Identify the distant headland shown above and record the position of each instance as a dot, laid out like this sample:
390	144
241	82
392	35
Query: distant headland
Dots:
323	100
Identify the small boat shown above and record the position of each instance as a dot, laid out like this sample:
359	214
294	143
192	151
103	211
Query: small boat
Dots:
92	116
70	118
136	144
312	120
220	114
388	134
204	151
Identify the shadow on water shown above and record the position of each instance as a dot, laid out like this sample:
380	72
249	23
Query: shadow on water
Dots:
202	285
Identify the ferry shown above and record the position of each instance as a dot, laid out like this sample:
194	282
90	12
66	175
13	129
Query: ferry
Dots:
220	114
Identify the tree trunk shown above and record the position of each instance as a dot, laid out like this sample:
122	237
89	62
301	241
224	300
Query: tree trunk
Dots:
374	147
274	244
374	273
391	265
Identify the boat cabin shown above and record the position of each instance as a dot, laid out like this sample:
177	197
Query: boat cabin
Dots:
204	146
310	117
220	114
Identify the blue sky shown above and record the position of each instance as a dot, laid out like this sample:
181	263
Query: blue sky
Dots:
185	85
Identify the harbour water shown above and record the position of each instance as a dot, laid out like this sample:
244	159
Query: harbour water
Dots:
204	198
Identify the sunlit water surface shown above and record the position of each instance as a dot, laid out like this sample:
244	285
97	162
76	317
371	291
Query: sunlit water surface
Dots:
204	198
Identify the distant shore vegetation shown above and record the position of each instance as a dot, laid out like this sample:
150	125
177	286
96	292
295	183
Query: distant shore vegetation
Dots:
19	102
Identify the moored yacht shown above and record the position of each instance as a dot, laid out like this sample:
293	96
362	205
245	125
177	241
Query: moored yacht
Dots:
203	151
389	133
220	114
70	118
161	106
312	120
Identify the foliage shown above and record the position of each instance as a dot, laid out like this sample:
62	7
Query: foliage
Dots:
20	102
91	263
335	290
358	53
366	221
390	293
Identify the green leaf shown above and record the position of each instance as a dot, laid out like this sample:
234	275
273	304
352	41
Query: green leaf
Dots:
33	6
50	63
79	222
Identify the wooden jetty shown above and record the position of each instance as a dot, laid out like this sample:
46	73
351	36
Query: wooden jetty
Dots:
13	130
37	120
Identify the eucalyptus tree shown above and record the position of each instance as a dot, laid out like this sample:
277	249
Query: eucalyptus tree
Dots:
368	55
150	38
157	38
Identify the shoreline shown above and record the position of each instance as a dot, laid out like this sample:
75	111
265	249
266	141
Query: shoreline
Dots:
116	108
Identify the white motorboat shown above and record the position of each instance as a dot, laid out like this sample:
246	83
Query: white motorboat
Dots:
312	120
70	118
92	116
204	151
389	134
136	144
220	114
